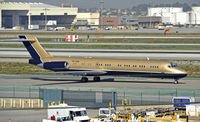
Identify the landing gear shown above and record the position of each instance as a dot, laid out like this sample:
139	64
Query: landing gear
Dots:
176	81
96	79
84	79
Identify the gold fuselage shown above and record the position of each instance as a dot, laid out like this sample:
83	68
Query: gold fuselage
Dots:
117	64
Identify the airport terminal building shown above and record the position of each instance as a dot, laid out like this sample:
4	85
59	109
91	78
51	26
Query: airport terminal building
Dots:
33	15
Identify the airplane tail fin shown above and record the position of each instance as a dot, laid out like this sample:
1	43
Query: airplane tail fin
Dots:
34	48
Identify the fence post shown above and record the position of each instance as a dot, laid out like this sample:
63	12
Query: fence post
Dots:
11	102
29	103
14	103
41	103
38	103
22	103
114	99
32	103
29	91
124	95
129	101
1	102
4	103
159	96
141	98
13	91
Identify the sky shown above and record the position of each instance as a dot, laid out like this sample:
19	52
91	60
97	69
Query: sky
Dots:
108	3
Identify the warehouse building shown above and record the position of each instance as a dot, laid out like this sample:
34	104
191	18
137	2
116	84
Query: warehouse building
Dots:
176	15
28	14
40	15
195	15
87	19
170	15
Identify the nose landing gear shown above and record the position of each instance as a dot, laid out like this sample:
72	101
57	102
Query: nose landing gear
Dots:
176	81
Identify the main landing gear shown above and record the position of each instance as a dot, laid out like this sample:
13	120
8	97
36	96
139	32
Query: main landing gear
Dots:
85	79
96	78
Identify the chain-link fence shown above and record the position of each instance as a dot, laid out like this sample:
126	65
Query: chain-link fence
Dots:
19	92
95	98
146	96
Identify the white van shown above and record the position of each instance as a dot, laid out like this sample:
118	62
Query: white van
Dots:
65	113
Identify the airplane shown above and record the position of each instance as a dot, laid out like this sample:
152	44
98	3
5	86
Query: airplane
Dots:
97	67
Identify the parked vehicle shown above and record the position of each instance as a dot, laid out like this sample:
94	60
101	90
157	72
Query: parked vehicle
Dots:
185	100
65	113
106	112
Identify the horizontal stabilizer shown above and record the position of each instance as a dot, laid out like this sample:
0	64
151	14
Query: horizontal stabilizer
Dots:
17	40
81	73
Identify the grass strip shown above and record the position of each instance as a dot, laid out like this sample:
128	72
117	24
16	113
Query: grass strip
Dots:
24	68
125	47
19	68
130	40
90	33
182	41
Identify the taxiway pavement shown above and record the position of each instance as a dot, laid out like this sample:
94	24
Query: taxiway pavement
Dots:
107	83
122	54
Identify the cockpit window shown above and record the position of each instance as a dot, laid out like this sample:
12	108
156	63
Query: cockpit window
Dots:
172	65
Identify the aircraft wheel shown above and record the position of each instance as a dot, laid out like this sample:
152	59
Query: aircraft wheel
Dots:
176	81
97	79
84	79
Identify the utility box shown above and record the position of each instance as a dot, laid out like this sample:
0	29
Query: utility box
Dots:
51	95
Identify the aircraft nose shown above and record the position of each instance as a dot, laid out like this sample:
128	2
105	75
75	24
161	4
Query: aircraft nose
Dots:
183	75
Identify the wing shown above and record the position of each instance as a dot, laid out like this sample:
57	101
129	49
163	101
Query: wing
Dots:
80	73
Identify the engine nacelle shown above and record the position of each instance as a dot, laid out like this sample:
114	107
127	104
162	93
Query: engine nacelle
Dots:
55	66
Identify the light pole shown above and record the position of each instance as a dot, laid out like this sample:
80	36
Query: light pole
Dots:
101	8
29	21
45	10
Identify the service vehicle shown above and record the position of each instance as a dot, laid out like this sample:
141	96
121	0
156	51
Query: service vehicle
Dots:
65	113
181	102
106	112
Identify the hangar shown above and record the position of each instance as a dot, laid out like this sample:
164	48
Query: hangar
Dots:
42	15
